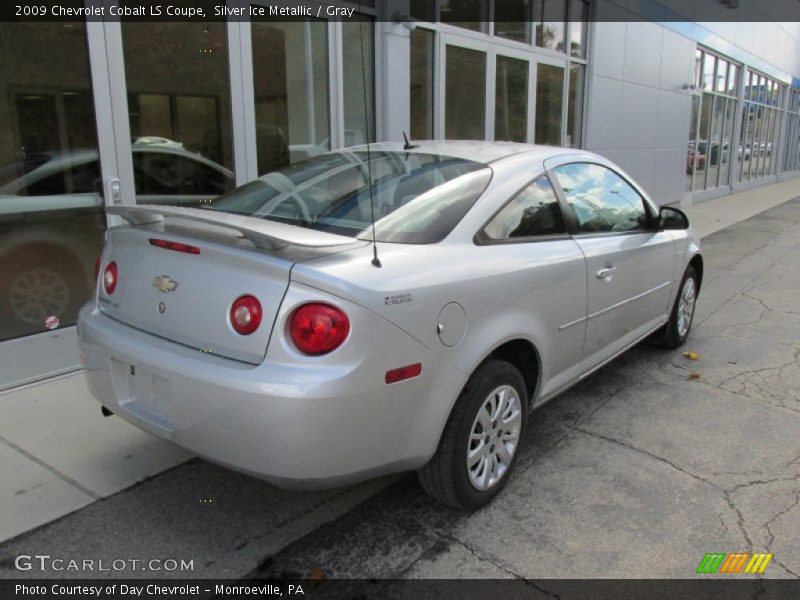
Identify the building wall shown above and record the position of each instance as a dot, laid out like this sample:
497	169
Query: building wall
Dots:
638	106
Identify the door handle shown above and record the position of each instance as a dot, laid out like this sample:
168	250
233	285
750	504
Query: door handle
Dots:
114	192
606	273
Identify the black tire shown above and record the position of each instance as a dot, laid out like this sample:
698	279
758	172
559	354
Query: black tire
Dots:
672	337
446	476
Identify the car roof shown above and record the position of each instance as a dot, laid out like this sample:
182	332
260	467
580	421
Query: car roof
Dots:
479	151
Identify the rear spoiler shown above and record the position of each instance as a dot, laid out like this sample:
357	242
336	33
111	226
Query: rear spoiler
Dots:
268	235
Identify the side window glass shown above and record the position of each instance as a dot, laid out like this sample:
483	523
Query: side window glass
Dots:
532	212
601	200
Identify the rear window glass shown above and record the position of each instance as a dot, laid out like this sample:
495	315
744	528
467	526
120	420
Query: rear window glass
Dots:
416	198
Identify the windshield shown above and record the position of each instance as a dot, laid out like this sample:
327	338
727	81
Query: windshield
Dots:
416	198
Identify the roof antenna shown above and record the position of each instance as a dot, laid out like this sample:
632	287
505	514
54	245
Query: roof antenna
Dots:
407	145
376	262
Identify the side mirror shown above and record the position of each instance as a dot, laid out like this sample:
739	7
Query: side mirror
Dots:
672	218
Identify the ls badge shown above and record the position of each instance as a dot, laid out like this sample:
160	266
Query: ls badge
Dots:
164	284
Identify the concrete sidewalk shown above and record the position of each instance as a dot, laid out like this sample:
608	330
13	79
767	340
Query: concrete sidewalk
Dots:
58	454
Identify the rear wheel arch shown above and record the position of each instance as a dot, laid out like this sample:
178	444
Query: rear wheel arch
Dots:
520	353
525	357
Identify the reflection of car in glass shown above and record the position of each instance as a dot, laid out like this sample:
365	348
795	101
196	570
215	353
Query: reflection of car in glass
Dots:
699	151
262	331
754	150
744	151
695	156
51	221
352	137
154	140
162	173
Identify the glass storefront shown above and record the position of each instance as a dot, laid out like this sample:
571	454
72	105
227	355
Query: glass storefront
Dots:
760	131
710	151
51	217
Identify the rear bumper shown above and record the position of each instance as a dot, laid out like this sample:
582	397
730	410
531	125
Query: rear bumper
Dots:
295	423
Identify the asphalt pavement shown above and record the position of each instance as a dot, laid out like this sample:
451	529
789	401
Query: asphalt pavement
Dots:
639	471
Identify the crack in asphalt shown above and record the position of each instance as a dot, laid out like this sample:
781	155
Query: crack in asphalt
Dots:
768	524
497	562
764	306
726	492
741	394
644	452
785	568
740	520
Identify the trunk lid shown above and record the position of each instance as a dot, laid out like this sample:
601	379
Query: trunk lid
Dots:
187	297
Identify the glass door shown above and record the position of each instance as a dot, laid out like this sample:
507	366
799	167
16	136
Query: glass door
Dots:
51	195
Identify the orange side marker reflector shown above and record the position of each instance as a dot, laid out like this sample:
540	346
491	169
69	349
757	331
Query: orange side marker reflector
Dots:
402	373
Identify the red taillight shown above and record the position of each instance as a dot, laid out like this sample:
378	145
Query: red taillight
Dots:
245	314
402	373
110	277
318	328
176	246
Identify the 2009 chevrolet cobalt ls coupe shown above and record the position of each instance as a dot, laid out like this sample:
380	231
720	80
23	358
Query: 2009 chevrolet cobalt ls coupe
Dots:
262	333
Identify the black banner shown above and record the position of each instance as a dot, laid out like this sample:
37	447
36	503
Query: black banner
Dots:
385	10
731	588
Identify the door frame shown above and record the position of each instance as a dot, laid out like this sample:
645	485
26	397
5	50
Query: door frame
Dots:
31	358
448	37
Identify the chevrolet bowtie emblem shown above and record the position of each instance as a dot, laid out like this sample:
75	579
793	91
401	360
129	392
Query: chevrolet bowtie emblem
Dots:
164	284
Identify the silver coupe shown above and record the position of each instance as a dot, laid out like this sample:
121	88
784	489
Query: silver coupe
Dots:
383	308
